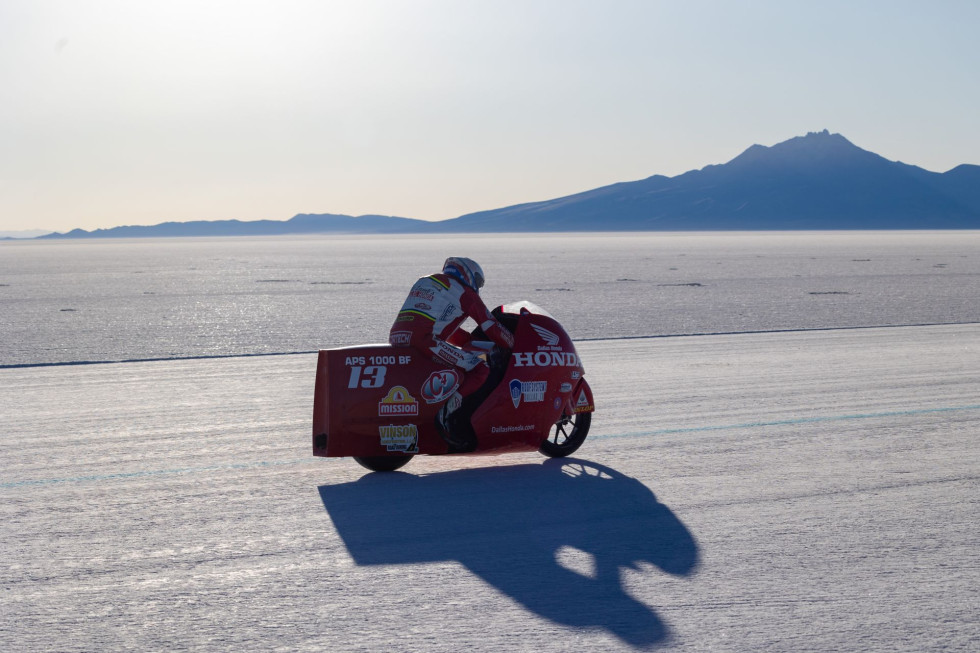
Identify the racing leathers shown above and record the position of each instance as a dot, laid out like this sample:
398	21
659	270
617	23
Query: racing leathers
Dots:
429	321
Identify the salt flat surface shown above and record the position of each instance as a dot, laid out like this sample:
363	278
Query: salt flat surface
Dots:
768	492
100	300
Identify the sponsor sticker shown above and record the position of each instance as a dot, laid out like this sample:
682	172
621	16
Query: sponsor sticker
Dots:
565	387
400	338
545	359
511	429
583	405
576	375
400	437
448	312
528	391
423	306
450	355
398	403
440	386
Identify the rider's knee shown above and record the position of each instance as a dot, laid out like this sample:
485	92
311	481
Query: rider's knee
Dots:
474	378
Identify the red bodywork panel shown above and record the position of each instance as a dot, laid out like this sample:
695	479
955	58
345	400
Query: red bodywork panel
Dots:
377	400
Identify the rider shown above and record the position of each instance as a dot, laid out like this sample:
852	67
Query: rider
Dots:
429	321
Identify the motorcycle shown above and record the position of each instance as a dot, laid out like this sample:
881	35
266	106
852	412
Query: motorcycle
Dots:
378	403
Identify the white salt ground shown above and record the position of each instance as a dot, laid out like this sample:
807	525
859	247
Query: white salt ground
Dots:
767	492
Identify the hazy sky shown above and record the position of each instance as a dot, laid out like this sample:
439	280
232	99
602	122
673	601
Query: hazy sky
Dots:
143	111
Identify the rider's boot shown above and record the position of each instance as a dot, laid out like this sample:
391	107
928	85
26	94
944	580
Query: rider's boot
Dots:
443	423
452	404
454	426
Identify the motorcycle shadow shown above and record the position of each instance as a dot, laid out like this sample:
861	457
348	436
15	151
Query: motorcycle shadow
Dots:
553	536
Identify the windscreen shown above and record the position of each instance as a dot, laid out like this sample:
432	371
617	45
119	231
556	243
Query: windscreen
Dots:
530	307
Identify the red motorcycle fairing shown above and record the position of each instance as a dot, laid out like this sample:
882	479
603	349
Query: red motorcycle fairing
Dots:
378	400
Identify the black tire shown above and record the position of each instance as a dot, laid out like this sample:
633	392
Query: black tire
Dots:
567	435
383	463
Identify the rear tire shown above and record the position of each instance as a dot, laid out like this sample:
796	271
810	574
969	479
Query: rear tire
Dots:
567	435
383	463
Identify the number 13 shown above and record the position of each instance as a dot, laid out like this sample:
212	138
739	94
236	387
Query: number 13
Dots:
373	377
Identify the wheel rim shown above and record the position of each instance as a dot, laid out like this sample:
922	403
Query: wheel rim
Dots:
563	431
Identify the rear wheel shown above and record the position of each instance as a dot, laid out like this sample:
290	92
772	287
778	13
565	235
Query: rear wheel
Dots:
382	463
567	435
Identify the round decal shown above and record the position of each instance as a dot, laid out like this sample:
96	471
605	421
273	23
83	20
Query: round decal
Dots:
440	386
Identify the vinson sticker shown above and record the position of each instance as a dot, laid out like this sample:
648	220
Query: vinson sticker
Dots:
400	437
440	385
529	391
398	403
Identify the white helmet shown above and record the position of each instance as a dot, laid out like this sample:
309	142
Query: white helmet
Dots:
466	270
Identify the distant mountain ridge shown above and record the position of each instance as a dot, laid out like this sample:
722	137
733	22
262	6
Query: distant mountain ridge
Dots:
813	182
299	224
22	234
817	181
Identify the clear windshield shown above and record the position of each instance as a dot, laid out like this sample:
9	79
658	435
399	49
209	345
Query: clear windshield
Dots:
515	309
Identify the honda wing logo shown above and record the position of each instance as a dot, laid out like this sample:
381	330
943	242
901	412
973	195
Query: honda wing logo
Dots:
550	339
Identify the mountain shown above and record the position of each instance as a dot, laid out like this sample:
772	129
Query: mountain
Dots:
23	234
303	223
813	182
817	181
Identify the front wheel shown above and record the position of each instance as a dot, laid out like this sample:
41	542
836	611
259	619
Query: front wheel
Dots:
383	463
567	435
